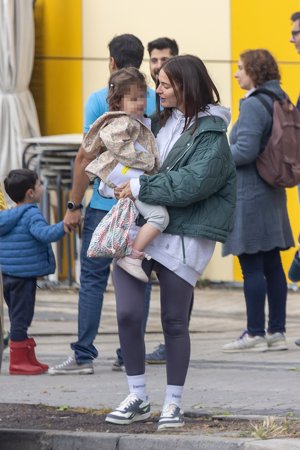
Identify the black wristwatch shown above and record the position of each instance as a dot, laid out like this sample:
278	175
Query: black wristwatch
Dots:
73	207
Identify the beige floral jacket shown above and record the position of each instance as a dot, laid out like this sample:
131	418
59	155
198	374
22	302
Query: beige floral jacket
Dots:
116	138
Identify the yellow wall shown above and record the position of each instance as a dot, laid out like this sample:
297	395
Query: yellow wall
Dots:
266	24
71	58
202	28
57	76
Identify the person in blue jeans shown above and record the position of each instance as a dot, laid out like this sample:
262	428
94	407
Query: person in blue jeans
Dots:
124	51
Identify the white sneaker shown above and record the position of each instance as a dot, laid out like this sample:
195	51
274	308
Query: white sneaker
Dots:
247	343
171	417
70	366
276	341
132	409
133	267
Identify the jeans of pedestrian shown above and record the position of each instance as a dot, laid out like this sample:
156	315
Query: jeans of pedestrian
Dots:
93	281
19	295
264	276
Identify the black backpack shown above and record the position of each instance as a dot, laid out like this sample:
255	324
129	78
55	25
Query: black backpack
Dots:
279	163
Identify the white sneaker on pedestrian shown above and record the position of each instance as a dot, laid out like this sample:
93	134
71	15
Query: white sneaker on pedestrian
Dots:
70	366
276	341
171	417
247	343
132	409
133	267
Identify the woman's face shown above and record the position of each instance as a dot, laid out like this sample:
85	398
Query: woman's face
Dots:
166	92
244	80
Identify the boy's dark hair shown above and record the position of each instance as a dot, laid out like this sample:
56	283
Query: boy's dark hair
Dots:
162	43
260	65
295	16
120	83
192	85
127	51
18	182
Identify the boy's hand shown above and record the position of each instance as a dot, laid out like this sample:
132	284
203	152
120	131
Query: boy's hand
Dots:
73	219
67	229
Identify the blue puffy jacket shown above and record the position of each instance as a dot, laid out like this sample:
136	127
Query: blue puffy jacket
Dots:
25	237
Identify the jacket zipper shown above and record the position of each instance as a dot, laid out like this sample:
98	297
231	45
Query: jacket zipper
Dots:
189	145
183	248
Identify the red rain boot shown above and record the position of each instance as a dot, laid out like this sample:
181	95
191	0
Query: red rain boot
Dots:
32	356
20	363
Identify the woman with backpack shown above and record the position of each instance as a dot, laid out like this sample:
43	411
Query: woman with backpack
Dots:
262	227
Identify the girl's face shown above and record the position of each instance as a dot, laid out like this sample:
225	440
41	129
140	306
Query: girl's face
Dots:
166	93
134	102
244	80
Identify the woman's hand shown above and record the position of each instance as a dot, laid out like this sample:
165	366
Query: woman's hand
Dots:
123	191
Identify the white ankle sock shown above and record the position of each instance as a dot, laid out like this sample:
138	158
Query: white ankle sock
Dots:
173	395
137	385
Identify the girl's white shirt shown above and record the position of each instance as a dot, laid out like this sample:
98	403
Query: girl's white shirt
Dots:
166	248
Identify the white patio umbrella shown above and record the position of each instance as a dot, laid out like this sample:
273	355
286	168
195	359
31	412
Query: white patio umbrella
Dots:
18	116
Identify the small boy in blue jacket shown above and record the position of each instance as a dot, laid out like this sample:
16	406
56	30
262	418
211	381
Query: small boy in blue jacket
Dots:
25	254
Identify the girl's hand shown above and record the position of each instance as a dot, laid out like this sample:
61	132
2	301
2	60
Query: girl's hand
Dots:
123	191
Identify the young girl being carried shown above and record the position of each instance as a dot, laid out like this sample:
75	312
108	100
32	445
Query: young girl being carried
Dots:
125	148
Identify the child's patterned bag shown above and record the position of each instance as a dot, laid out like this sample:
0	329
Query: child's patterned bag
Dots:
111	237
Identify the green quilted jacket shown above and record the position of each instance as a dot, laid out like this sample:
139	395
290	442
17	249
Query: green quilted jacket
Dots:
197	183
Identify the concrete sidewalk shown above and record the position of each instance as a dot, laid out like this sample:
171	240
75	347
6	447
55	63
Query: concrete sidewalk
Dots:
219	383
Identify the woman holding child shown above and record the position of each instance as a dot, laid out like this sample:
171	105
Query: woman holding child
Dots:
197	184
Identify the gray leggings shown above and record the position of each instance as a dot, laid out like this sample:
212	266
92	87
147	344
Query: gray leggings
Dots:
176	297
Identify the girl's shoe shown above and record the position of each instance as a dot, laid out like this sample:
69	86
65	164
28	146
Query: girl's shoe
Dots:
133	267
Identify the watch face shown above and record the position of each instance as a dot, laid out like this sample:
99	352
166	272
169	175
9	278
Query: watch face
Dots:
72	206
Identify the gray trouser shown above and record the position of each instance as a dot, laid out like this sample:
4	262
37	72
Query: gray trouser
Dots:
156	215
176	297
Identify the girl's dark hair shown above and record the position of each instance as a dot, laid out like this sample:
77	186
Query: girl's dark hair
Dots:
192	86
260	65
120	83
18	182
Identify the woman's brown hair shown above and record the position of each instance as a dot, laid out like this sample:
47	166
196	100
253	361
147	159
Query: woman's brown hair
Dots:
120	83
260	65
192	86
